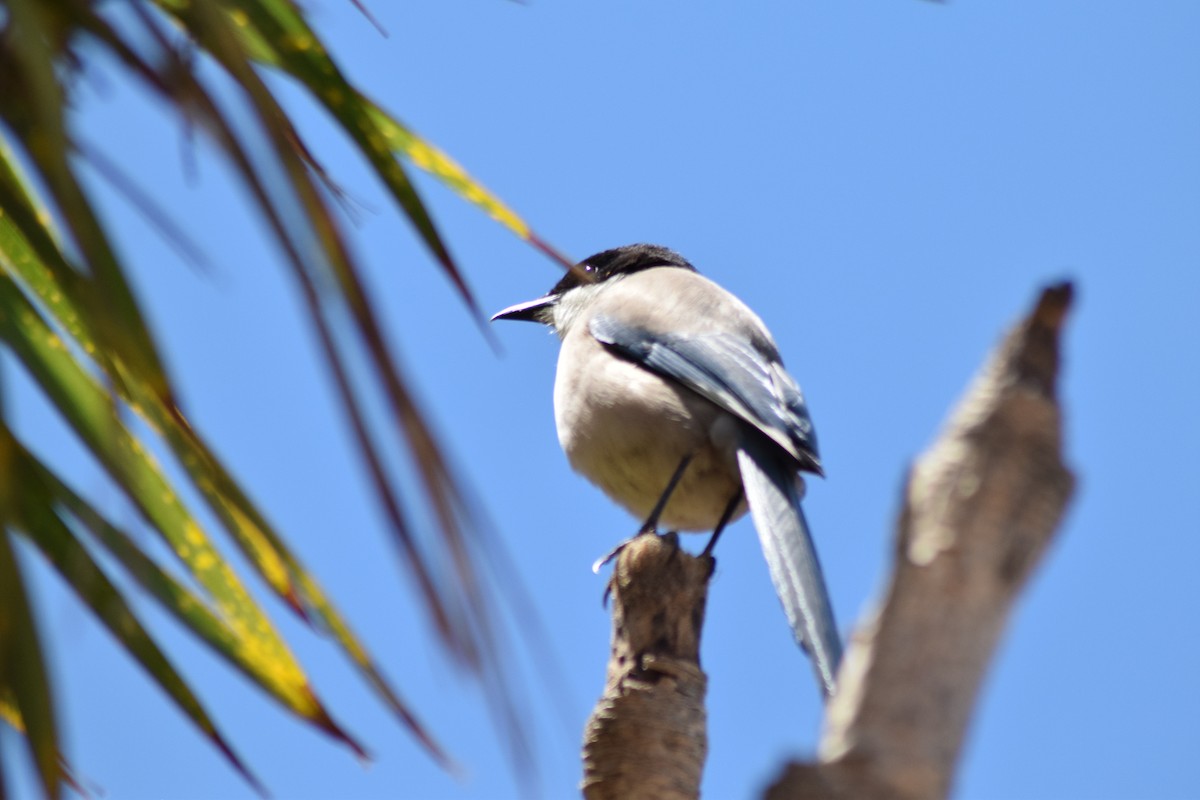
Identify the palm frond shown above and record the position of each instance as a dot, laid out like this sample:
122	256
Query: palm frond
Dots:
72	320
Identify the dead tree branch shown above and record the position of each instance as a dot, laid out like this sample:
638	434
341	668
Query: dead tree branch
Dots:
979	510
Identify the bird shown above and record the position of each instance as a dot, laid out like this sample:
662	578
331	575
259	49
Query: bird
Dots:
670	395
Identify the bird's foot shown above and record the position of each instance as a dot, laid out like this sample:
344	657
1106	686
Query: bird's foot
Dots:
671	537
601	562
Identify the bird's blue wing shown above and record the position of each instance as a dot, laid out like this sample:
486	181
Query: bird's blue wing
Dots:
728	370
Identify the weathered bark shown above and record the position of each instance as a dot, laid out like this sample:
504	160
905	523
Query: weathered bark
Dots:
979	510
646	737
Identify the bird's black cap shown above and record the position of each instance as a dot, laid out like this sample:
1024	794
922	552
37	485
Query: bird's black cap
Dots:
620	261
595	269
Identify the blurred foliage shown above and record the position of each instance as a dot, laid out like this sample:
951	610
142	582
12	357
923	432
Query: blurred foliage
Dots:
69	317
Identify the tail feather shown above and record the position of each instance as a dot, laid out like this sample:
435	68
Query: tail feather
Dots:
774	499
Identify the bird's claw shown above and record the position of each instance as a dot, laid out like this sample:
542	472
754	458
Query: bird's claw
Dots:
599	563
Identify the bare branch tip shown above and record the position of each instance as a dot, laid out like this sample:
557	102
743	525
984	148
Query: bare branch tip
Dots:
1054	304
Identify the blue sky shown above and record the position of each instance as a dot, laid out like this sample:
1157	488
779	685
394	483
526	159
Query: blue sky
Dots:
887	183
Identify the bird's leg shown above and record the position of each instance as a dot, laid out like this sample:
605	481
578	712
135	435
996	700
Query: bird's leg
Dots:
725	515
651	523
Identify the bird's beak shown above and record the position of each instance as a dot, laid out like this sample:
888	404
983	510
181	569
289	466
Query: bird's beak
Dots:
529	311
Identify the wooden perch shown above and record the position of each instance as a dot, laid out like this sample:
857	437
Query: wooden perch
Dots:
979	510
646	737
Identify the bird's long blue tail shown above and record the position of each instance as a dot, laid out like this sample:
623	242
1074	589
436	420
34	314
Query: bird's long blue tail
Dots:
774	499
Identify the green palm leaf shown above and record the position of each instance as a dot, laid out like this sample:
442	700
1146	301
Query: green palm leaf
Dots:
22	671
69	316
39	517
262	545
